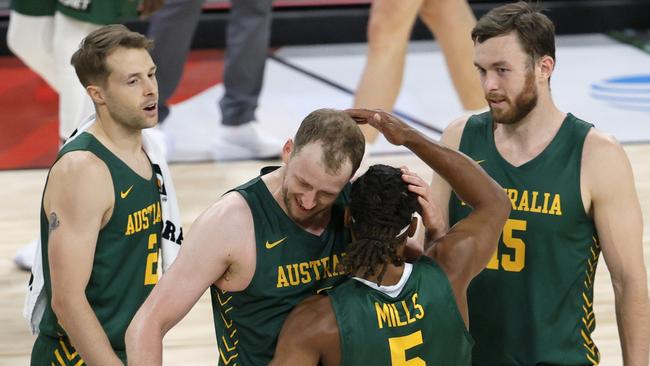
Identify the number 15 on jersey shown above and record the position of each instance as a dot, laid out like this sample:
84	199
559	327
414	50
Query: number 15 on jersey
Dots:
516	260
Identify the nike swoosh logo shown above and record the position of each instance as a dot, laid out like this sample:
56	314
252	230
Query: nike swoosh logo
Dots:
275	243
124	194
479	161
323	289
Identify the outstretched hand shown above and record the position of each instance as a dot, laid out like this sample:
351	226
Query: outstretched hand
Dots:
390	126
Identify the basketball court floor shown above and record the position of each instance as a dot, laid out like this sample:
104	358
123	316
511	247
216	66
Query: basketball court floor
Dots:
596	78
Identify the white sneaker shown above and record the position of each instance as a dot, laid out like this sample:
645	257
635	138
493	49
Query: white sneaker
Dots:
247	141
24	259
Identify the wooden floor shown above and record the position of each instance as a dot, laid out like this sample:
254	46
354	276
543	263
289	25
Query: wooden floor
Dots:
192	341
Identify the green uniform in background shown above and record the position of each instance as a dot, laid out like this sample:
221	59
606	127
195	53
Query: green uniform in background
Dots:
532	305
421	326
291	264
93	11
125	263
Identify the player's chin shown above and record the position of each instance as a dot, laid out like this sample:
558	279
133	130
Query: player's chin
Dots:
149	121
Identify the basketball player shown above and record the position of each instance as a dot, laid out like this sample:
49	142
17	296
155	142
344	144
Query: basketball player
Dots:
261	248
391	312
572	195
44	34
100	215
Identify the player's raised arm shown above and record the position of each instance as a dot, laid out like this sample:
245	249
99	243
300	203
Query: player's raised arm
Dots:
440	188
466	249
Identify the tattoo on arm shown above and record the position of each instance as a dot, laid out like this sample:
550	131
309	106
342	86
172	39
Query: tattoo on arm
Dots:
54	221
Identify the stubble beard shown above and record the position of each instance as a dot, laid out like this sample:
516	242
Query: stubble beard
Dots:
523	104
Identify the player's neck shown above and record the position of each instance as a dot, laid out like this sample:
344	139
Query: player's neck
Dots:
522	141
116	136
544	119
392	276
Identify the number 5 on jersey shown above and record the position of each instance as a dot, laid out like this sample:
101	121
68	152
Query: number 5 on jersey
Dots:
511	262
398	347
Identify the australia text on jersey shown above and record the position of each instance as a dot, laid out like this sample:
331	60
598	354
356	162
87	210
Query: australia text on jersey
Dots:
141	219
534	201
295	274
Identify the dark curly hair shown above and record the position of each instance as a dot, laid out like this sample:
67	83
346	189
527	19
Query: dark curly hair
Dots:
381	205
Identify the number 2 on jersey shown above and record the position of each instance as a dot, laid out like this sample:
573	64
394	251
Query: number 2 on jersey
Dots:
151	271
399	346
511	262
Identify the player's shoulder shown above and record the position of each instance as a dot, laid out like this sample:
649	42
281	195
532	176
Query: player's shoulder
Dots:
600	147
230	206
229	218
313	307
454	131
78	164
315	313
603	157
311	329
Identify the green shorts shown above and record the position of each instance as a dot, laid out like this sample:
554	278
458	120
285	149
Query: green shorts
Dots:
54	351
49	351
92	11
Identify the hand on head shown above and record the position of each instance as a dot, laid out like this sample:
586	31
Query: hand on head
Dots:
430	212
390	126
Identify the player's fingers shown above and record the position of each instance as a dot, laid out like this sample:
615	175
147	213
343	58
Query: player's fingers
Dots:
359	115
413	178
420	191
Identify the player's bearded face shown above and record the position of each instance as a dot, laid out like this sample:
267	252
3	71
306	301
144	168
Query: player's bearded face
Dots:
514	110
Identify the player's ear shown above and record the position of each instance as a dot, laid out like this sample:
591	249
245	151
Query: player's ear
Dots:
286	150
95	93
413	227
546	66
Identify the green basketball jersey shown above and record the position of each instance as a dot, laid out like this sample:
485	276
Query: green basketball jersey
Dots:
126	255
421	326
291	265
533	303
